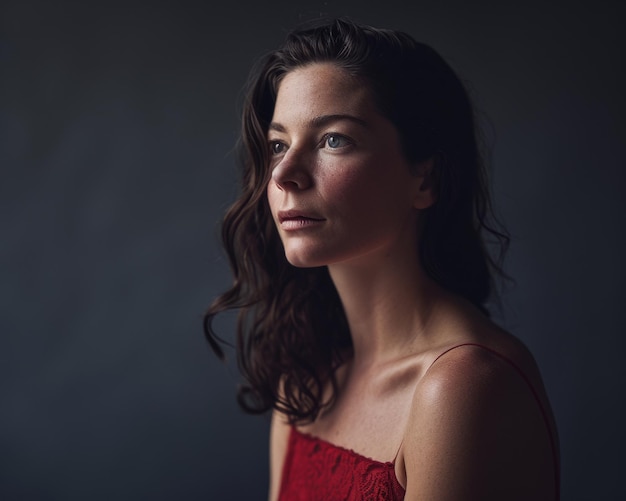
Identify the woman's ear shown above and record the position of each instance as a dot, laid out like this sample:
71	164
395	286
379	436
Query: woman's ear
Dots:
426	174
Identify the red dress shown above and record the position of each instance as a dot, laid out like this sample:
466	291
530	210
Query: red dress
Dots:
316	470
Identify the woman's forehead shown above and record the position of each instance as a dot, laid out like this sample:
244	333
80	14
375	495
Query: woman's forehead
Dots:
321	89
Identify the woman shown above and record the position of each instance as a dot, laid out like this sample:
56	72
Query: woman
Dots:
361	275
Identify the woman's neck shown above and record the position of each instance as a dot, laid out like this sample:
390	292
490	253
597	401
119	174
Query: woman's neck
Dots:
388	301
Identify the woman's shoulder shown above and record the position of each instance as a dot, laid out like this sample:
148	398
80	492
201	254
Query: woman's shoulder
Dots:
480	367
472	346
474	358
490	356
480	411
479	370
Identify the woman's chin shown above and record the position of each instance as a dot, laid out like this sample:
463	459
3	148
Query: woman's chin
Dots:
304	258
303	262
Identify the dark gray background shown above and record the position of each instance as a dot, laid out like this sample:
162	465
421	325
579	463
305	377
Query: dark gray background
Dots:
116	128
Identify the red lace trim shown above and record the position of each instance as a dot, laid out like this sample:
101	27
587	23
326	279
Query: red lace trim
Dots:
316	469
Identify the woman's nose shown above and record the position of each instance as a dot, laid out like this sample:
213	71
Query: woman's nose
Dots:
292	172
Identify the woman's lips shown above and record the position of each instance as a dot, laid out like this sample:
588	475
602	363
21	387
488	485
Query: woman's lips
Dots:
297	220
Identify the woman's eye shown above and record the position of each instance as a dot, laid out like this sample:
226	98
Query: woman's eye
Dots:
276	147
334	141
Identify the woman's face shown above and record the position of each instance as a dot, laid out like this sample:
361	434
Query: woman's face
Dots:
340	190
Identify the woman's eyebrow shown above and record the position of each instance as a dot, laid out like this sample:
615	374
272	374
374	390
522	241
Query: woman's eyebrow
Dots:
323	120
326	119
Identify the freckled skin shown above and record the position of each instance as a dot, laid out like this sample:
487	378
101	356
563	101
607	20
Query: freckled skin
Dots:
364	188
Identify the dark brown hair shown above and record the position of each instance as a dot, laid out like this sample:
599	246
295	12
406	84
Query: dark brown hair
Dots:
292	330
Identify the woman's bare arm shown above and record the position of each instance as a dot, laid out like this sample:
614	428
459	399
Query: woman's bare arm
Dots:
279	437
